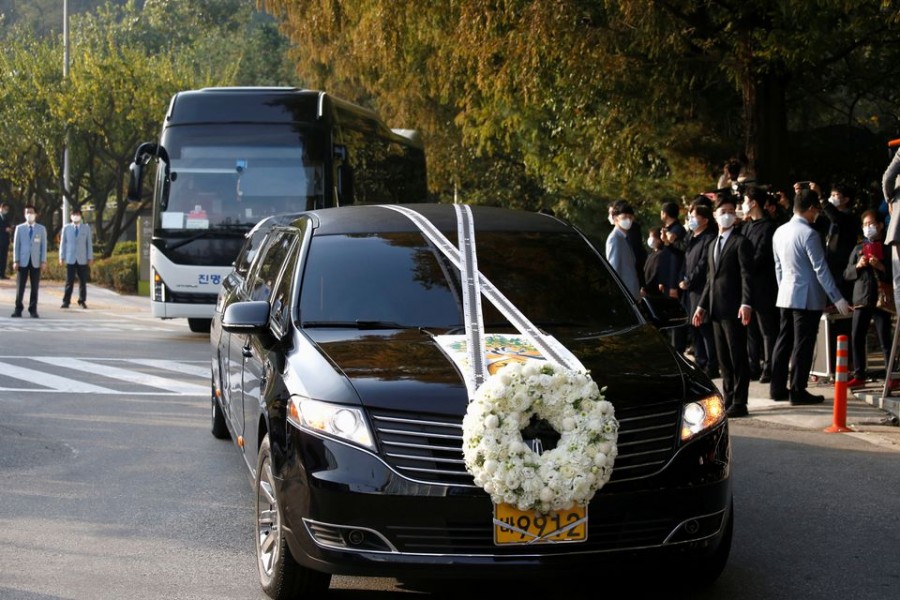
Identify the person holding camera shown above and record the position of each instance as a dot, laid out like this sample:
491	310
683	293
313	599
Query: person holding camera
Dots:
869	270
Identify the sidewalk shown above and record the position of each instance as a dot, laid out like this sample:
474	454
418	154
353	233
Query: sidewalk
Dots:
51	293
868	415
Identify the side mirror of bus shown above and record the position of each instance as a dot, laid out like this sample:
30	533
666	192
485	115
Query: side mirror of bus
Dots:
135	181
345	185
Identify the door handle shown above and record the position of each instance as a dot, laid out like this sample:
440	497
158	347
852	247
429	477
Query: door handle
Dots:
247	351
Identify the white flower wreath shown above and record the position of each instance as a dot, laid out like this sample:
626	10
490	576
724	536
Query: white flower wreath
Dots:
508	469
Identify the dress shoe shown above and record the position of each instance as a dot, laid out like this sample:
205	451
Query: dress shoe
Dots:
856	382
765	378
779	396
16	314
34	315
804	398
82	304
64	305
735	411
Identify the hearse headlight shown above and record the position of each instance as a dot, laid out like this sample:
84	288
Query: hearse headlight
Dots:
700	415
344	422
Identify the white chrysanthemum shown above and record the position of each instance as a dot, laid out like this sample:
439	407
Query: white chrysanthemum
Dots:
507	469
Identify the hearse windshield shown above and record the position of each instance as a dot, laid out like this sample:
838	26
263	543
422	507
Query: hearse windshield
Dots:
555	279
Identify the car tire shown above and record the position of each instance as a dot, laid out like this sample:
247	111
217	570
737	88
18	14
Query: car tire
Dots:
280	576
199	325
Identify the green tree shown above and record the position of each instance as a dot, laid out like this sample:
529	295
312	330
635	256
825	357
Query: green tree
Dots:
589	101
126	62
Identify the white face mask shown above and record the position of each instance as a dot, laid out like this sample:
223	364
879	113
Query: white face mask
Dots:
30	217
725	220
745	208
692	223
870	231
625	224
835	200
652	242
76	219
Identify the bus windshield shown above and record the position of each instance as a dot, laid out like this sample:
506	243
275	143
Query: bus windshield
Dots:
232	177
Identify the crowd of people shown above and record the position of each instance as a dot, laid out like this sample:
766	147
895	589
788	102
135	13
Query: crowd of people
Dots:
755	271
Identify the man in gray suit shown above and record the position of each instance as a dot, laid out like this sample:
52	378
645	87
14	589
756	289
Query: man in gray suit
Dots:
618	250
77	253
805	286
29	258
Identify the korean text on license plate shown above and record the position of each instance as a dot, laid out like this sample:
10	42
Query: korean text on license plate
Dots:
514	526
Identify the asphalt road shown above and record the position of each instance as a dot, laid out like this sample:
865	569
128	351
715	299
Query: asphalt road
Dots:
112	487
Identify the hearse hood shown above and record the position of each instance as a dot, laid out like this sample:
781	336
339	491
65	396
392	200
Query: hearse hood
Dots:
407	370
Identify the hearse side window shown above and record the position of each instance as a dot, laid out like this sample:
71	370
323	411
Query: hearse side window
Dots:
251	247
275	252
393	277
280	315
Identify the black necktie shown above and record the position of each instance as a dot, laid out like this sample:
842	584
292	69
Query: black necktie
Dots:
718	251
30	232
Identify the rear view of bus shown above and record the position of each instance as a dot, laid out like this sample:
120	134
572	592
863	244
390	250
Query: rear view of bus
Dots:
230	157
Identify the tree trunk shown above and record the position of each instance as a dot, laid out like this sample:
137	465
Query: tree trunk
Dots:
767	140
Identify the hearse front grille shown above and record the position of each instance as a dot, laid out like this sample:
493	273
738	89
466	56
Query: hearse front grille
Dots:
428	448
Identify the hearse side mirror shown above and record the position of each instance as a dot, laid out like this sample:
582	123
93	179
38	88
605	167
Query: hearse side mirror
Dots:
246	317
664	312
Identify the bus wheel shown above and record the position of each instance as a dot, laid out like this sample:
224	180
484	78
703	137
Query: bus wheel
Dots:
199	325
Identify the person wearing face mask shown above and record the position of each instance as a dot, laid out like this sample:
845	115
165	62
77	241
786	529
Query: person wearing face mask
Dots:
868	268
805	286
6	230
77	253
661	270
29	258
726	300
635	238
759	229
703	231
618	250
839	231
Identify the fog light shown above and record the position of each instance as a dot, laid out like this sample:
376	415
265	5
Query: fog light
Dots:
356	537
692	526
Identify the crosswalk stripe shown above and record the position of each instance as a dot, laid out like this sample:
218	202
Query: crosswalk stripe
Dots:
63	384
111	372
178	367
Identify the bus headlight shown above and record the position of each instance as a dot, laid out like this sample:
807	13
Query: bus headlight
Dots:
700	415
344	422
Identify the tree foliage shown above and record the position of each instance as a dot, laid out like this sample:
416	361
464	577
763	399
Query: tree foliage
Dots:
571	103
126	61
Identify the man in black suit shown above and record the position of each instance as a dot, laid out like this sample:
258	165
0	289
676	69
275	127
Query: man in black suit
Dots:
726	297
6	229
759	229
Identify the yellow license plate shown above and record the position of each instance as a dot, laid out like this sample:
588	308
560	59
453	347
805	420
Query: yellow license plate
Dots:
514	526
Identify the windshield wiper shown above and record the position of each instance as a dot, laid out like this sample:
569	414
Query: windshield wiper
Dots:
357	324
